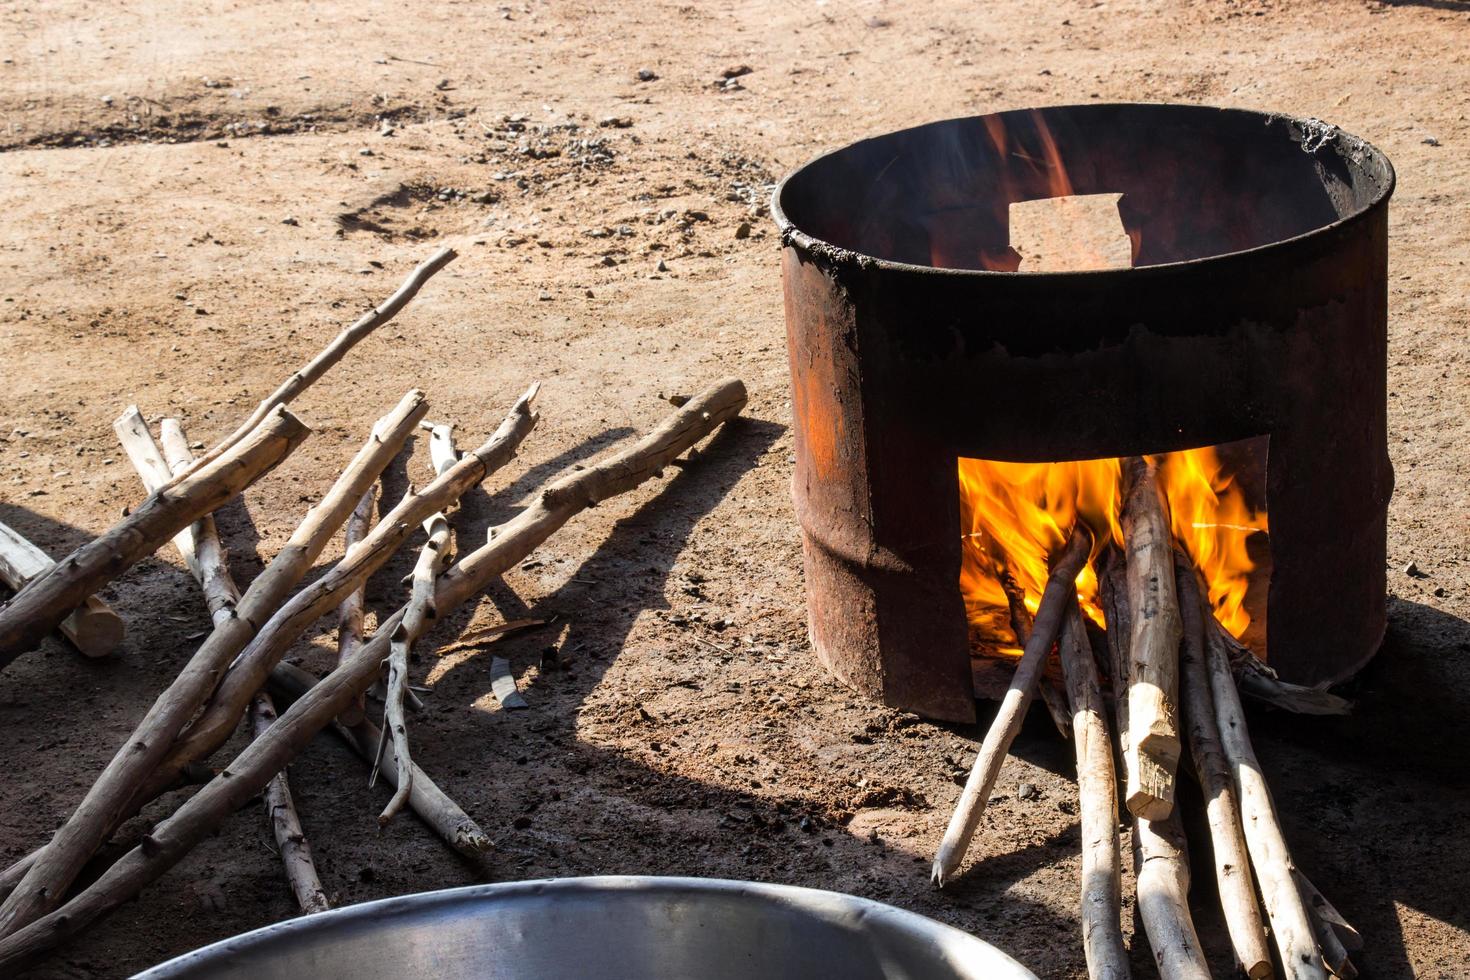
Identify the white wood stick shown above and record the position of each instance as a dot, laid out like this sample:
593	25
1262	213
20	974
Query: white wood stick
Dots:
1153	744
1233	877
1296	943
350	613
418	614
207	557
93	628
1097	794
280	809
1061	588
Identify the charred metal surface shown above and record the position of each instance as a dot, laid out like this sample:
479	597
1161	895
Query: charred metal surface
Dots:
1258	306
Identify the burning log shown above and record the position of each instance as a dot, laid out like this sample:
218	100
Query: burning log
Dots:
1291	928
285	824
1153	691
92	627
50	597
1021	625
350	613
249	773
418	613
1097	792
1222	809
111	800
428	802
1160	851
1060	590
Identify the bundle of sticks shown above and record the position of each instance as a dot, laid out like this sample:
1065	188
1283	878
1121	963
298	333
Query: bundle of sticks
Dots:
1176	678
237	672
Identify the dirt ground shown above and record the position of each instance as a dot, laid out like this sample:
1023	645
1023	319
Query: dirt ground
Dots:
195	197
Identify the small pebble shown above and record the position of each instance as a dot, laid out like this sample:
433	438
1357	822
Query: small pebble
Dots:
662	266
742	230
646	75
1430	141
1026	791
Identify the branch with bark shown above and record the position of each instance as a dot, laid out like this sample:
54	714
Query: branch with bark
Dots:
1059	591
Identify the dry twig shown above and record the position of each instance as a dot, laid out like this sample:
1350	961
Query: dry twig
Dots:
285	824
1060	589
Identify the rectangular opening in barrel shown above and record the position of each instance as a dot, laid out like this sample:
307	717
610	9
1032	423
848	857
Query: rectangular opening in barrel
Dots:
1013	516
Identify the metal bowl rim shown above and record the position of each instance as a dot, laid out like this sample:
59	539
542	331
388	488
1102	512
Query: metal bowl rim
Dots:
919	926
837	254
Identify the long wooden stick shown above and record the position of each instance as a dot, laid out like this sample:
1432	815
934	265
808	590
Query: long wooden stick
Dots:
1021	624
1060	588
1153	692
1319	907
1291	929
1160	851
40	607
1097	793
433	559
1222	810
428	802
248	674
311	372
93	628
156	467
263	758
280	810
350	613
206	556
110	800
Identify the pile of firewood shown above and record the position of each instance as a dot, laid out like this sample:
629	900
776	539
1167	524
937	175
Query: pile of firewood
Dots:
236	670
1176	677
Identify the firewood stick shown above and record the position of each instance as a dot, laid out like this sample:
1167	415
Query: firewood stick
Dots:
1318	905
1334	954
1060	588
1097	789
280	809
1259	682
205	557
428	802
263	758
155	470
1160	851
110	800
1291	929
433	559
92	627
1153	693
207	560
49	598
311	372
1222	809
1054	697
248	674
350	613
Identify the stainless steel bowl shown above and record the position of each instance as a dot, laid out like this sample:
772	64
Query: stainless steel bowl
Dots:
608	928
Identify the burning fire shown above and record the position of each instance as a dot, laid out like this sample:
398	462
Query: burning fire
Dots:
1013	516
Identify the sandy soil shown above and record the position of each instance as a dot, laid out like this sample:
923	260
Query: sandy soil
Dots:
196	196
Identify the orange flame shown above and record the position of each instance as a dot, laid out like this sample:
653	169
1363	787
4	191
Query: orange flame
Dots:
1013	516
